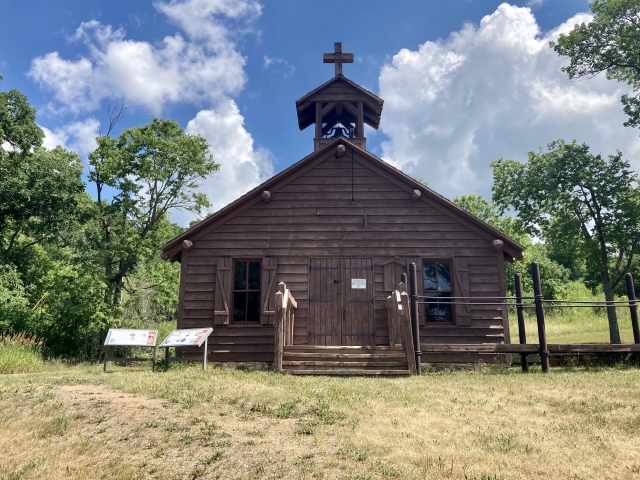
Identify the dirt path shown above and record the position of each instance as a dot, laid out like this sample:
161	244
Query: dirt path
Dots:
91	431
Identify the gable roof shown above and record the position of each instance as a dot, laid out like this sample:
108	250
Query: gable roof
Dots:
171	250
339	89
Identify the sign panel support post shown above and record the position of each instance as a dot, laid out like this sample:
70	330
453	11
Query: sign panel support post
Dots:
204	357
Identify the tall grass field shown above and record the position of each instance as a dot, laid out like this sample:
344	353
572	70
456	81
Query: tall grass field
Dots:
20	353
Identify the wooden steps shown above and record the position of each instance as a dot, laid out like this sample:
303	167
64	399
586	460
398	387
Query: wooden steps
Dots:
361	361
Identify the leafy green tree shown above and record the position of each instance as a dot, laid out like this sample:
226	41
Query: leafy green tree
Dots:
151	170
568	191
14	304
555	275
38	195
610	43
490	213
68	311
18	127
566	248
38	187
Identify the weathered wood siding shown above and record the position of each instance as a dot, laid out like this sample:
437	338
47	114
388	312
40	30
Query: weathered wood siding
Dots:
312	216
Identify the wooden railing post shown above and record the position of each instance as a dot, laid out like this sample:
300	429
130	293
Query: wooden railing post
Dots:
415	323
521	328
405	327
279	328
390	317
542	334
633	308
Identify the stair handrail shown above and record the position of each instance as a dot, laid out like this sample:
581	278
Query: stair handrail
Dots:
400	325
394	328
286	305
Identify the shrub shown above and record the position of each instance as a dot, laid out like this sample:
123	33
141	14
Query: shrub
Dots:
14	305
20	353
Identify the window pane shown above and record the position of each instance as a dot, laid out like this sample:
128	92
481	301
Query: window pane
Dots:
240	282
431	308
239	306
444	307
444	276
445	313
254	275
253	310
429	275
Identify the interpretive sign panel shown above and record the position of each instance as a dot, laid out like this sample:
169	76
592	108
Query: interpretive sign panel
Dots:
122	337
119	337
192	337
187	338
359	283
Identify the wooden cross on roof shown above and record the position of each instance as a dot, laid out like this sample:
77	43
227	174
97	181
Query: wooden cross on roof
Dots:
337	57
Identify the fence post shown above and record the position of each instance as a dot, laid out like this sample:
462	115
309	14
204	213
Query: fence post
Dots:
407	341
633	308
542	334
521	328
415	324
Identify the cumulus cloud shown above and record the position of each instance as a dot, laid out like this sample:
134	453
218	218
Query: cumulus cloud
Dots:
200	64
79	136
490	91
204	66
243	167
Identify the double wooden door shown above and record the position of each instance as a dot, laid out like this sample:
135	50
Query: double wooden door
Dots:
341	306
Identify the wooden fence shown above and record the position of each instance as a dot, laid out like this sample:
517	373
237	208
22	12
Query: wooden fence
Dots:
540	304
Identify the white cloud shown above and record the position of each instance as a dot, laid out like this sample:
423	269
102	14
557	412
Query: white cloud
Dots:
491	91
286	68
200	19
79	136
204	66
53	139
242	166
199	65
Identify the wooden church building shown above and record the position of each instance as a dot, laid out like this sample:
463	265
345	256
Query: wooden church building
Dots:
339	227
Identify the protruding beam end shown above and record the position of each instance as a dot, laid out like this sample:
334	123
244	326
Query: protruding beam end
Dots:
341	150
266	196
415	195
187	244
498	244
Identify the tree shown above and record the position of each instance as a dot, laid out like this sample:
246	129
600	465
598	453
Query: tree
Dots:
570	192
38	193
152	170
18	127
555	275
38	187
610	43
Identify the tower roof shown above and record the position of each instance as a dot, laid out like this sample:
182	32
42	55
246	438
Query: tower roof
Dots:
340	95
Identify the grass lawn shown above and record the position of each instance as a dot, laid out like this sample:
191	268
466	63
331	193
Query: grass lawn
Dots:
76	422
574	326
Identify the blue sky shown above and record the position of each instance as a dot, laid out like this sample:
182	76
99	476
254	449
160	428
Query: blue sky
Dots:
464	82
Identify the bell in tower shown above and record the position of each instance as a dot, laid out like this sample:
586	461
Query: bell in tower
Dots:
339	107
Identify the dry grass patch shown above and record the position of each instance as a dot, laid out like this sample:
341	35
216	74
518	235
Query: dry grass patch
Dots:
573	423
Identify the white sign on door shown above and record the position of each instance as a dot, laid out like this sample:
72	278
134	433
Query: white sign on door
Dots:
358	283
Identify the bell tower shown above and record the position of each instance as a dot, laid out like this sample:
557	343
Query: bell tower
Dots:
339	107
